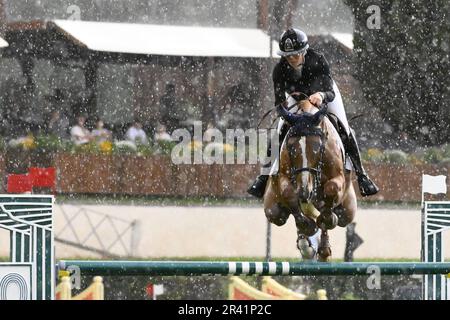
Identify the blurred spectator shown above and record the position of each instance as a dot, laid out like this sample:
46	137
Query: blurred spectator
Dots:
169	109
56	99
79	134
162	134
57	125
136	134
100	134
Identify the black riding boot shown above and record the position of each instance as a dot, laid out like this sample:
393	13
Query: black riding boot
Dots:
366	186
258	187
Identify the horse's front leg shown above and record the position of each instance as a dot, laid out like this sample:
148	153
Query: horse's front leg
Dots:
304	224
275	213
333	192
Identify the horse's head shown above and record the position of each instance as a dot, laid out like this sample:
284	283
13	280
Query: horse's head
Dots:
305	146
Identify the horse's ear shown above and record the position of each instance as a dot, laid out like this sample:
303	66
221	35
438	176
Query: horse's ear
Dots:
286	115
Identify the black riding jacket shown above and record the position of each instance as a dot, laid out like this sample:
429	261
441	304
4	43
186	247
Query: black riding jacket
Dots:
314	76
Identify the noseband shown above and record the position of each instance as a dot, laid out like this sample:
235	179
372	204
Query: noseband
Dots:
317	171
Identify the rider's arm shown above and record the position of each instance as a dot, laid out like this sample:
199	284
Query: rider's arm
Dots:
322	81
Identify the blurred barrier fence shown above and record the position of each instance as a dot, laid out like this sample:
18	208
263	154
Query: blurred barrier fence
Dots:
86	229
157	175
29	219
197	268
238	289
94	292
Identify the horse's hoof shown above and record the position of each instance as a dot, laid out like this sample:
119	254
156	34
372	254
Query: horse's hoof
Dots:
340	211
305	248
327	222
324	254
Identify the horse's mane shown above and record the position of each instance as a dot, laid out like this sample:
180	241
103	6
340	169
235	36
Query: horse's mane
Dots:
306	106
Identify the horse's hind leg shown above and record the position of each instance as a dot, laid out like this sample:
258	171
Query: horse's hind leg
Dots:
308	246
324	251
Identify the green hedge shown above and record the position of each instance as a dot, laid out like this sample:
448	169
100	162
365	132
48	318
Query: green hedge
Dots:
52	144
434	155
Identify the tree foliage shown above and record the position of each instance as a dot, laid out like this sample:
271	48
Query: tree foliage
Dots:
404	66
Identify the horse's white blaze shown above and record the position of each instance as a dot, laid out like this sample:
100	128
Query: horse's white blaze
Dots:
305	174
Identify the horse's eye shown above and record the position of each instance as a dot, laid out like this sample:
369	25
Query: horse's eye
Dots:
316	147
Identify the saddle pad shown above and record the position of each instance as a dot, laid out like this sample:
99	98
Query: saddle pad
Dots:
347	161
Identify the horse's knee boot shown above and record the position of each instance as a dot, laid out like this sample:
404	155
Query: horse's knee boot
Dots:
305	225
327	221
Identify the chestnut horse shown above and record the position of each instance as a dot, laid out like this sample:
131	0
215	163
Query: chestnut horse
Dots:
312	183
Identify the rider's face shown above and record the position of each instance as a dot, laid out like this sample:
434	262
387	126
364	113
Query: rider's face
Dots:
295	60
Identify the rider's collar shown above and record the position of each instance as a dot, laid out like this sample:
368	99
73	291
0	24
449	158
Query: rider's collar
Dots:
298	68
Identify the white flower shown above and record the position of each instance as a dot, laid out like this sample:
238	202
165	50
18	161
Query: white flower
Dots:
126	144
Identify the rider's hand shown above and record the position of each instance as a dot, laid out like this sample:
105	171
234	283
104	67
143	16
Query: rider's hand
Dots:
316	99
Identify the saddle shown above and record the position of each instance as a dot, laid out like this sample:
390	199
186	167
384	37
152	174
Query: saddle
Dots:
337	124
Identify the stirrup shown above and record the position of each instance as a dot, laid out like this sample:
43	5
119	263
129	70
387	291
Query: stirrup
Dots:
366	186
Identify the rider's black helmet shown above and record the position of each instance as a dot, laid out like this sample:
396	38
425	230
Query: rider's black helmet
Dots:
293	41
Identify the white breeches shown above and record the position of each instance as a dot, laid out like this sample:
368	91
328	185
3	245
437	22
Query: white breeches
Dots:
336	107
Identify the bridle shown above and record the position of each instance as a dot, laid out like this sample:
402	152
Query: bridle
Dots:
288	108
315	171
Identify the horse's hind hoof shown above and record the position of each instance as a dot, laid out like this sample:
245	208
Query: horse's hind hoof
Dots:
305	248
324	254
327	222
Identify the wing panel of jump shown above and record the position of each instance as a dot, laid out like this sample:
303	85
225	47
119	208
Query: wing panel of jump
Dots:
29	218
435	220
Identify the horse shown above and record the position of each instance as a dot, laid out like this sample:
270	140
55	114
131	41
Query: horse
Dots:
312	182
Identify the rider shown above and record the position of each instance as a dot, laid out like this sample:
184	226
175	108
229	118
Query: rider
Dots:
304	71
